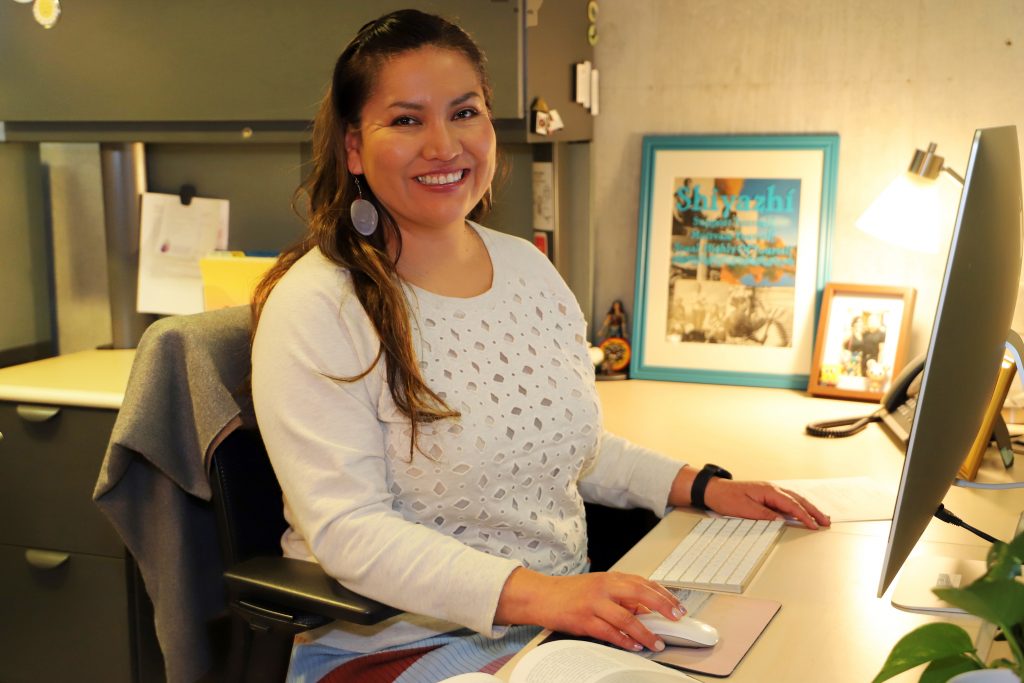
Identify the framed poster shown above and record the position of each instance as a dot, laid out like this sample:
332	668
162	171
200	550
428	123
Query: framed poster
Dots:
862	340
732	256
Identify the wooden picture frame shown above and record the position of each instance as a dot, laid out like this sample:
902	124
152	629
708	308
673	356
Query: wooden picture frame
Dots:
862	339
733	251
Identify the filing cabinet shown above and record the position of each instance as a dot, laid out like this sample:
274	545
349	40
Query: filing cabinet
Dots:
67	586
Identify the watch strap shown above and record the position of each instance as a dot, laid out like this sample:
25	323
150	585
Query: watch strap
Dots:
700	484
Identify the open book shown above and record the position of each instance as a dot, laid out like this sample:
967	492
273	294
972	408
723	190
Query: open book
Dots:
577	661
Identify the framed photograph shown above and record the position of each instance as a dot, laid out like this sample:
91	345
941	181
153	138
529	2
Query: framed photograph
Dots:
732	255
862	340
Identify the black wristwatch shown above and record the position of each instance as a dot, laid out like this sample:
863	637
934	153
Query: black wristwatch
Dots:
700	483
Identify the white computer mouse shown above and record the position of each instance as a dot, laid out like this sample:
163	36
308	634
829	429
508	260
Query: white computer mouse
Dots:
687	632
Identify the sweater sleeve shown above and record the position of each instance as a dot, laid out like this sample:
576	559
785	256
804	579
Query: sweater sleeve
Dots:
624	475
325	440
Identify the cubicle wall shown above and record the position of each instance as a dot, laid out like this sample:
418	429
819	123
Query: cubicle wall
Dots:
221	96
25	319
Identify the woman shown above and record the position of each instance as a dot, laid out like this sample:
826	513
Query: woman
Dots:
424	390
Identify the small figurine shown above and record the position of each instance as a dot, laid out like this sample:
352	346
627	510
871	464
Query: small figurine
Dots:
613	340
615	324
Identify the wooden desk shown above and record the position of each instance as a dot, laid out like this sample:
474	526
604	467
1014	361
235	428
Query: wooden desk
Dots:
831	626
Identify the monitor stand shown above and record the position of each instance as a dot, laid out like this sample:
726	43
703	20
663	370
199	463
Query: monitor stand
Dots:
913	592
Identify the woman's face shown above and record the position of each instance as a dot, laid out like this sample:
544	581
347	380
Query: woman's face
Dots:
425	144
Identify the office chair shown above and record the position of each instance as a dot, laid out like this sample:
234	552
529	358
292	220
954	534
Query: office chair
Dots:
270	597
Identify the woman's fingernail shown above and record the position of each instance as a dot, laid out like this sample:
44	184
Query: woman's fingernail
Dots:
677	613
637	647
659	645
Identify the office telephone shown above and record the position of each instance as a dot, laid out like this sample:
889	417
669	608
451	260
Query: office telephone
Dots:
896	411
897	415
900	401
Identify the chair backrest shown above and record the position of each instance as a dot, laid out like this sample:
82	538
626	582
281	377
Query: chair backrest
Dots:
246	498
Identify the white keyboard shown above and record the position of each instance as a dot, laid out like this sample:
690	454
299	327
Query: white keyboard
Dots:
719	554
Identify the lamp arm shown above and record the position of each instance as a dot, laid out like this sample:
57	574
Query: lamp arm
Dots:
953	173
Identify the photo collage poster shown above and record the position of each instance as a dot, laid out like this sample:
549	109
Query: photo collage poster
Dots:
733	261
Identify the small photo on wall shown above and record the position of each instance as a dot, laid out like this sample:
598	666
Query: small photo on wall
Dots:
863	332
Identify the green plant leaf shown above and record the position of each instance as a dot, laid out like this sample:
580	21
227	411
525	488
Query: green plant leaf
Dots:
998	601
941	670
925	644
1004	559
1003	562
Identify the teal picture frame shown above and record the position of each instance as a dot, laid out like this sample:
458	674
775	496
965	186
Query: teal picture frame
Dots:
695	265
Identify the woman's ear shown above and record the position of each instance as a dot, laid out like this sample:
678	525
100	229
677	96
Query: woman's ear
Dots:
353	151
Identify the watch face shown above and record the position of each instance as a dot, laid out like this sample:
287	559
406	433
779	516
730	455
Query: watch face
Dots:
717	471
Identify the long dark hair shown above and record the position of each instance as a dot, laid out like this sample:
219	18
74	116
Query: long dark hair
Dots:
330	189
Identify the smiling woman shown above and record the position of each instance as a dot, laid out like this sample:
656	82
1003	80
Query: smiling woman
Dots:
423	386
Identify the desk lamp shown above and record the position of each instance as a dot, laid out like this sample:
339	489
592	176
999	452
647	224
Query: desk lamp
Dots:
916	205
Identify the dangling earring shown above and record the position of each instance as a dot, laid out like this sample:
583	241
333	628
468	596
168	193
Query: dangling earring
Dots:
363	213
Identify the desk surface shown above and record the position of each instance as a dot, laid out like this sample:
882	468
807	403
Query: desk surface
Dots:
93	379
831	625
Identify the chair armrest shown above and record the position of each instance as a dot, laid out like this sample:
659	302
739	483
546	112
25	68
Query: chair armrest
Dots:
301	585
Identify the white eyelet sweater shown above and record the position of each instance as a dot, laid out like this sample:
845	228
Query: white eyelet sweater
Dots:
499	487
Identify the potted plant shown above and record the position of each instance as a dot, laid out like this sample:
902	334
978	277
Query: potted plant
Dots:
996	597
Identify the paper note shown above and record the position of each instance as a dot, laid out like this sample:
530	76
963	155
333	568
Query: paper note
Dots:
173	238
543	195
847	499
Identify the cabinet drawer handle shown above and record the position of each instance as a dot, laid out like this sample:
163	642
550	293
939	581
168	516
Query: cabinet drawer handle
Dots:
45	559
37	413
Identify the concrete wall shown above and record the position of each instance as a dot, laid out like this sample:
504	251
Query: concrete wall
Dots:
888	77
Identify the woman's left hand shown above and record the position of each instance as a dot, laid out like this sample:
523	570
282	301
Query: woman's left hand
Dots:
761	500
748	499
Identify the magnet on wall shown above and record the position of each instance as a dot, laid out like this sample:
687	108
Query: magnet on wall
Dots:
556	121
542	240
46	12
541	123
583	83
592	10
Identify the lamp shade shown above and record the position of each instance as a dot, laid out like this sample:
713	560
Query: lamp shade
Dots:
913	212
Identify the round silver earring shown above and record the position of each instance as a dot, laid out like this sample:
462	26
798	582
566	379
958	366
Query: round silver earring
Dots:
363	213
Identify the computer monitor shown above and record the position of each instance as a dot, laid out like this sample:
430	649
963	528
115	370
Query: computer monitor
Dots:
975	308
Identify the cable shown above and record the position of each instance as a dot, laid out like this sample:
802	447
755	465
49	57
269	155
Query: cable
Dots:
948	517
829	428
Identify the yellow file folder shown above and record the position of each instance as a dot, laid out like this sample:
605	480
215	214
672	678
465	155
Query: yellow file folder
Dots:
229	278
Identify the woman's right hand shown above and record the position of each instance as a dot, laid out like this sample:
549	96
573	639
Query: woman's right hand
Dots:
601	605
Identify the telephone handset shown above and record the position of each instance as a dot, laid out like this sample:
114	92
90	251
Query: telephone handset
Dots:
897	407
905	386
